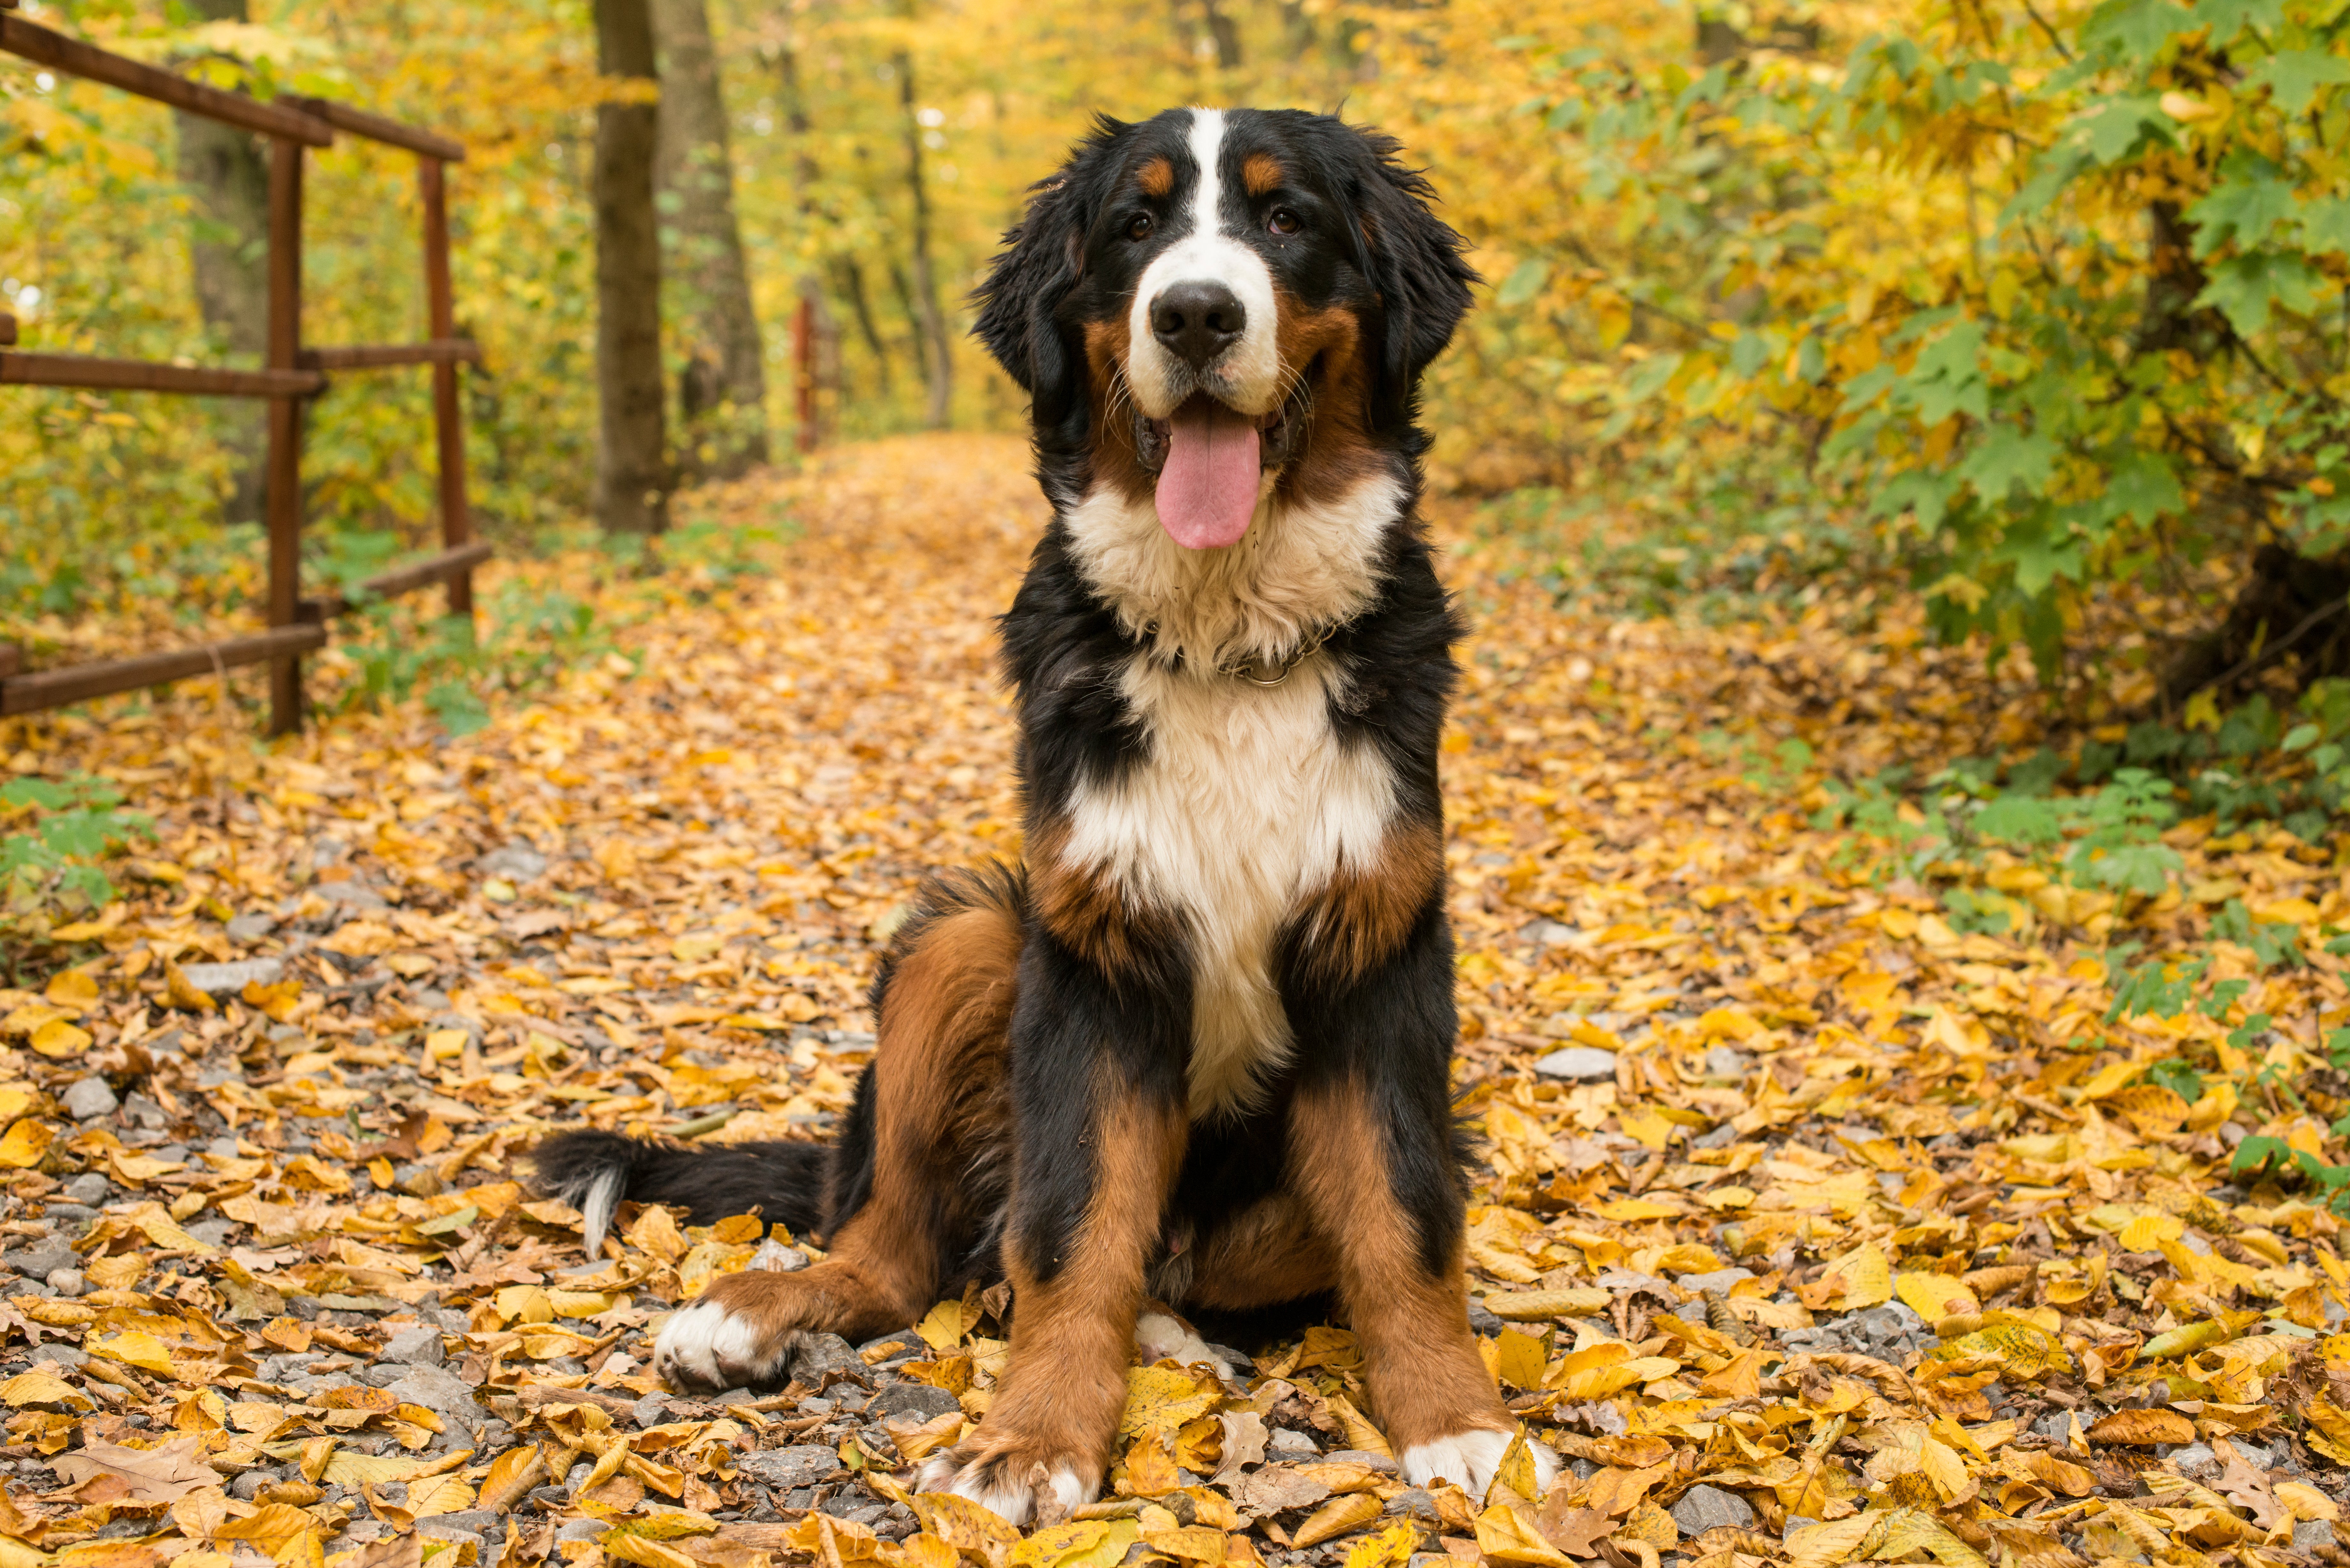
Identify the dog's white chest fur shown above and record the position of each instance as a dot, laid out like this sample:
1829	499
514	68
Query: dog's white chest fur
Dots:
1248	803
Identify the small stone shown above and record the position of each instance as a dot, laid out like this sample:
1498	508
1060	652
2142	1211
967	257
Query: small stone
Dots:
442	1393
66	1281
417	1345
251	927
43	1259
1384	1463
90	1097
824	1358
913	1401
2196	1461
351	894
1548	933
1583	1063
1481	1319
2312	1533
517	862
1704	1508
651	1409
74	1218
581	1528
222	981
1727	1062
63	1354
1796	1521
212	1232
1282	1445
1414	1503
773	1257
802	1464
91	1186
1715	1280
471	1521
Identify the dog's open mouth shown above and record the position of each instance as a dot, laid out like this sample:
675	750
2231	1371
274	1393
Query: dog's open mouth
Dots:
1210	460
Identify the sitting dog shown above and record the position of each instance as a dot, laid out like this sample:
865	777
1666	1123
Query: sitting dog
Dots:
1197	1049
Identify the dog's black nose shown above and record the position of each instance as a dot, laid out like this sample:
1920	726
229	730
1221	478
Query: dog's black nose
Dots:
1197	321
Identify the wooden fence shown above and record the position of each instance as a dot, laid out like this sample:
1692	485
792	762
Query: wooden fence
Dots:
292	375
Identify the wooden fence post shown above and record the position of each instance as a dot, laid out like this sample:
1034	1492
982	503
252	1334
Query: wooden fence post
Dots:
448	417
285	460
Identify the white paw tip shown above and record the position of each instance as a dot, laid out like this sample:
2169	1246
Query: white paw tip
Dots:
1468	1460
707	1345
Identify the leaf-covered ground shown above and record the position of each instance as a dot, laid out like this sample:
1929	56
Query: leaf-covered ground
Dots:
1810	1228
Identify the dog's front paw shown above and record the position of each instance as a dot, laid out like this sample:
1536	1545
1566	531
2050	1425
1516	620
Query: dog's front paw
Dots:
733	1338
1468	1460
1025	1486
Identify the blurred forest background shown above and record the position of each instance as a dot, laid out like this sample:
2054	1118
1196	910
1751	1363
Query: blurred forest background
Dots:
2028	315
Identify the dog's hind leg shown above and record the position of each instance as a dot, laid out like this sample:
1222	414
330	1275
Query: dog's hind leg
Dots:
924	1161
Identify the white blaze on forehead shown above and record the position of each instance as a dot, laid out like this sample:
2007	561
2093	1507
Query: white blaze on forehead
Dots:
1246	376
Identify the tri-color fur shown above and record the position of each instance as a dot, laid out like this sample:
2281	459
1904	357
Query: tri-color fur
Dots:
1196	1049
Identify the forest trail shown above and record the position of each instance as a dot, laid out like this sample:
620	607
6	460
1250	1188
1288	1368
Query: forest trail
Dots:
1791	1112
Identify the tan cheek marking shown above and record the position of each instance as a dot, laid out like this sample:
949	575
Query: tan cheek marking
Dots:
1426	1378
1260	173
1361	917
1338	450
1156	177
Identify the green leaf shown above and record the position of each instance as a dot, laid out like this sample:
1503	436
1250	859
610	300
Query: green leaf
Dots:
2006	457
2293	75
2112	131
2246	208
2143	486
2226	18
2020	819
1525	281
2245	289
2136	29
2325	225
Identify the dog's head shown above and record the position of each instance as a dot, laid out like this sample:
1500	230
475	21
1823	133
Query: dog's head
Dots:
1211	307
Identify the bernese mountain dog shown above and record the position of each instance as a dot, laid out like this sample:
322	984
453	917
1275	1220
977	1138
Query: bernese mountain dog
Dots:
1194	1055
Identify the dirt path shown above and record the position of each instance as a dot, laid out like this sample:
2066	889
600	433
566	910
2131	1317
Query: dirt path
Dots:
1788	1116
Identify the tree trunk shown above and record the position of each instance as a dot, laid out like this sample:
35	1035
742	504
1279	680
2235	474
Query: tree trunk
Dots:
2292	606
852	284
938	360
1226	32
632	479
2175	279
723	391
228	171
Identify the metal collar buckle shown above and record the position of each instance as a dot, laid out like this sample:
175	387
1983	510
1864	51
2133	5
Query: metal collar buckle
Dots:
1256	671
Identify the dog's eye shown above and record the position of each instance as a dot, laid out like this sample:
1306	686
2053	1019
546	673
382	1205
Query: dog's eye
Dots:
1139	227
1283	222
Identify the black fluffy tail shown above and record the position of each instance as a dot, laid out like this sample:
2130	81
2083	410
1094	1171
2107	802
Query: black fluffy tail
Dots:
593	1171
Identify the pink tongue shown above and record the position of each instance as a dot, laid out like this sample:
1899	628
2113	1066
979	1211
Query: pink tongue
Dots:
1207	490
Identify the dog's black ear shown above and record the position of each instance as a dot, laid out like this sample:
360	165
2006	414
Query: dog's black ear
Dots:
1042	260
1415	260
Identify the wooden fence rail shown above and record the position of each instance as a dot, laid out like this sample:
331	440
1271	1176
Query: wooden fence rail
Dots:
293	373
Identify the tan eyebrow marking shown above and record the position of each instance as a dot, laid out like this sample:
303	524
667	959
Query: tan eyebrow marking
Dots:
1156	177
1260	173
